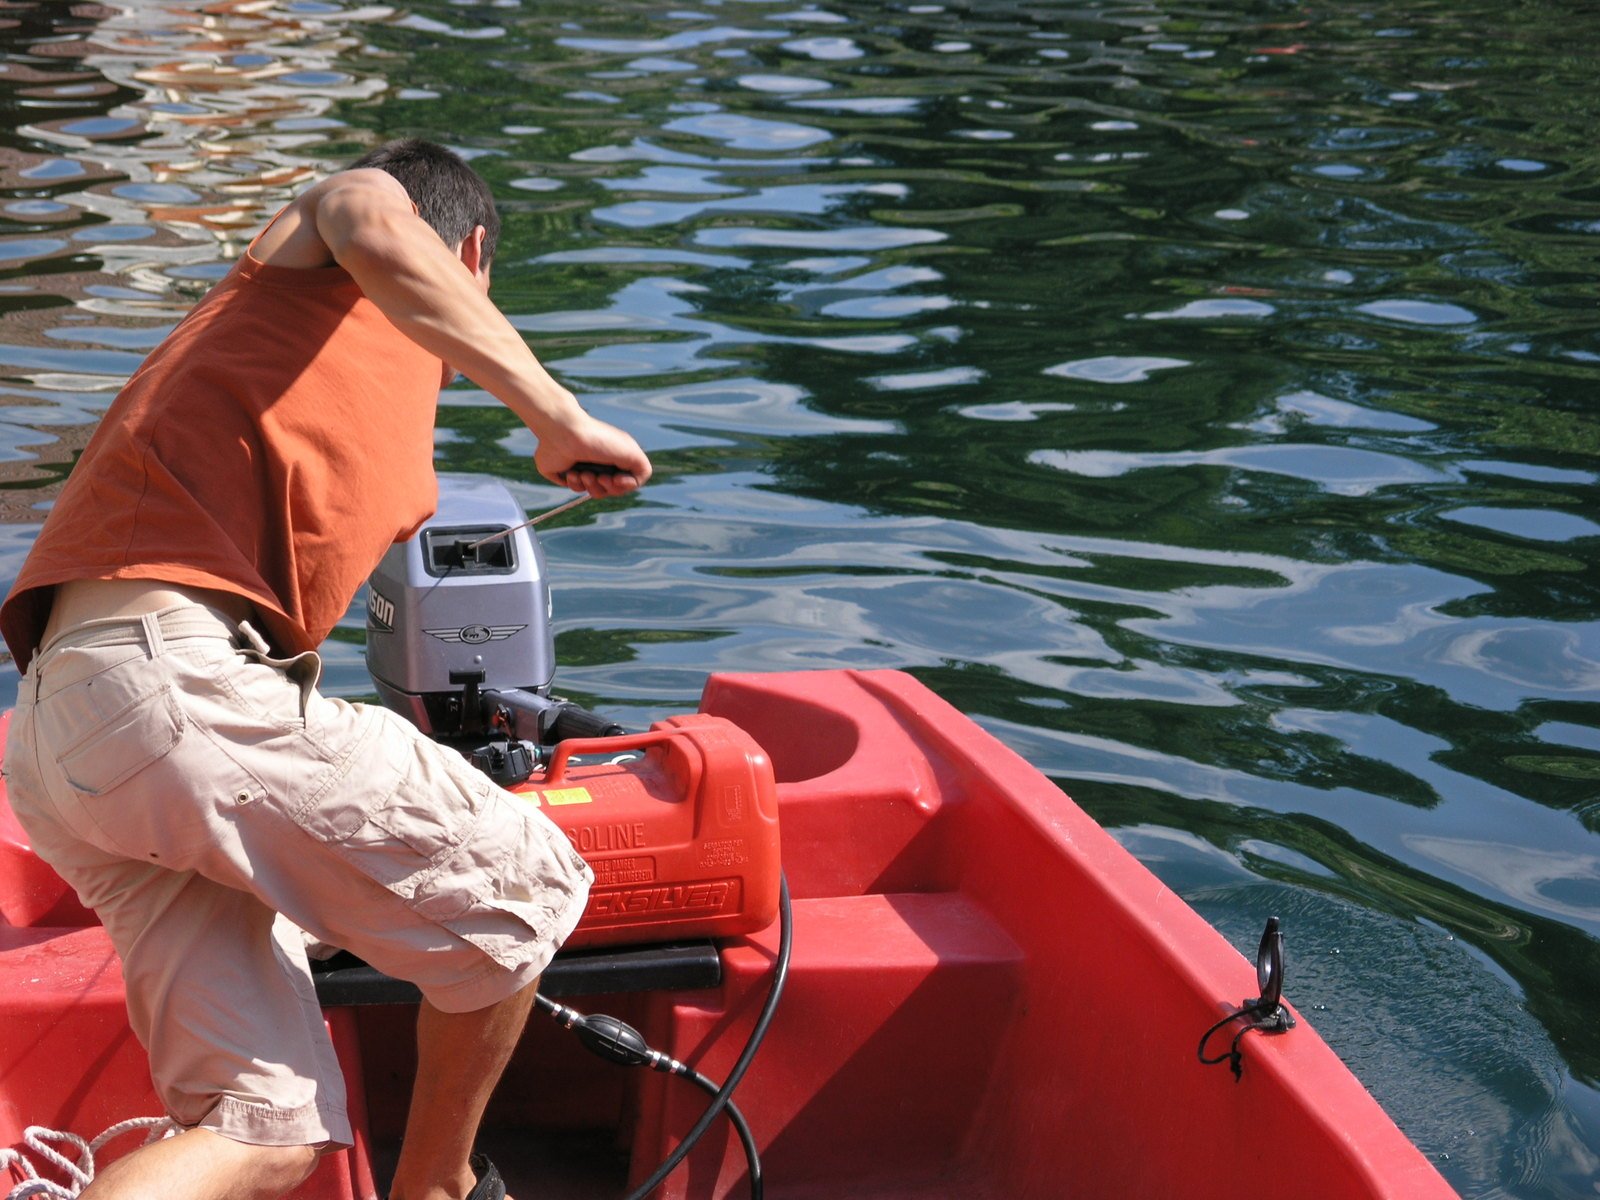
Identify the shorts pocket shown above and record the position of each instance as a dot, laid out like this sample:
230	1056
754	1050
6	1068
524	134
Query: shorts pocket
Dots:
389	812
416	831
514	891
124	744
148	781
366	775
511	932
75	668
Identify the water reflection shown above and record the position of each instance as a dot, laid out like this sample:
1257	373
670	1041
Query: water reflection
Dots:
1199	399
150	143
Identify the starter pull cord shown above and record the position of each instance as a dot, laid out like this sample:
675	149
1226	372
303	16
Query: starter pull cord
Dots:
618	1042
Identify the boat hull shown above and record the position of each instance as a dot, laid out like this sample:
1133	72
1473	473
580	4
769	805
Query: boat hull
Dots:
988	997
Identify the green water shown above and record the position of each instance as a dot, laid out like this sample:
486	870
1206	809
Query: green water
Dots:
1201	396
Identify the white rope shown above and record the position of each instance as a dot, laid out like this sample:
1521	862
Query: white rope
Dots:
79	1173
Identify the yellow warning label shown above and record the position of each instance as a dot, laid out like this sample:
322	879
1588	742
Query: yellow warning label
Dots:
576	795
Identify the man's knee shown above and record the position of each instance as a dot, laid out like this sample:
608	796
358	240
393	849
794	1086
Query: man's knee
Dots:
267	1172
294	1164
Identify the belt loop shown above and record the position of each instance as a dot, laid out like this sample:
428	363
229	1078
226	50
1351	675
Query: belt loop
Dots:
253	640
152	634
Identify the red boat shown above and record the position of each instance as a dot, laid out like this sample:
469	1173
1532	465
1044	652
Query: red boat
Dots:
987	998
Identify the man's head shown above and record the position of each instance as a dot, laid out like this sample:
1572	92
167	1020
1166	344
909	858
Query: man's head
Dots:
449	194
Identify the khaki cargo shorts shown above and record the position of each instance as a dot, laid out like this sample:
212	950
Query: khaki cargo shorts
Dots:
209	804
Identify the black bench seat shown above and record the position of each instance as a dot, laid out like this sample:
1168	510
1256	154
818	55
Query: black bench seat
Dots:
344	980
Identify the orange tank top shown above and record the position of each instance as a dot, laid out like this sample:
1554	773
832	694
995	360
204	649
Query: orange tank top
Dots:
273	446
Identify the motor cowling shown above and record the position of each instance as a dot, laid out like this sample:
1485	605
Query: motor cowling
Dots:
440	614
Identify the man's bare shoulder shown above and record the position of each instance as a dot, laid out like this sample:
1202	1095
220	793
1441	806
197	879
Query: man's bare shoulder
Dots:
298	237
360	181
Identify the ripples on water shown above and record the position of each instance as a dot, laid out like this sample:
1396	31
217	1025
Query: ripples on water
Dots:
1200	396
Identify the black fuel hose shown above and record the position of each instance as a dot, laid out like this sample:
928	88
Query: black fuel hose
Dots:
780	976
618	1042
752	1158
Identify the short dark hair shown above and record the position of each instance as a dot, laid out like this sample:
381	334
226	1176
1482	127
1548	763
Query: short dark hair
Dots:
449	195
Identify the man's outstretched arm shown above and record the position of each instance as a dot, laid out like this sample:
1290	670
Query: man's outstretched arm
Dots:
365	221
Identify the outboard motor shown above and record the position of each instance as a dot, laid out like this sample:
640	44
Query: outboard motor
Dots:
680	822
459	638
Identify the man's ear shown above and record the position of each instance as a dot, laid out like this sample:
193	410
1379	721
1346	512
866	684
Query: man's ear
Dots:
472	250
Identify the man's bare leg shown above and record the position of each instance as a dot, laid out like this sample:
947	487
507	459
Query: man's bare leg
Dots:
460	1057
201	1165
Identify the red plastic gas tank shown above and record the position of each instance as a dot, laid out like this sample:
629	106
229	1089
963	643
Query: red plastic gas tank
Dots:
683	839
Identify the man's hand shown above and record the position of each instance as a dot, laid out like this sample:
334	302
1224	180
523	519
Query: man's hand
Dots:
437	295
569	457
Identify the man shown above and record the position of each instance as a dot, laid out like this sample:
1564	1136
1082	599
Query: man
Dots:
169	753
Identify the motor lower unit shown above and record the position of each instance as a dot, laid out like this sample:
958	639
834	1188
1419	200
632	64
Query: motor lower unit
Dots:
680	824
